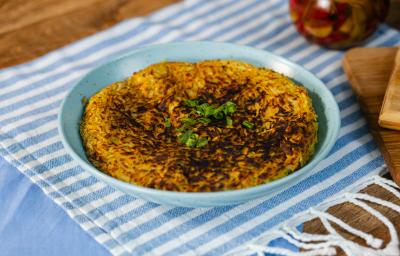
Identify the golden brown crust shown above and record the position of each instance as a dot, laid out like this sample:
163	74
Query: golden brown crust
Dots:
124	132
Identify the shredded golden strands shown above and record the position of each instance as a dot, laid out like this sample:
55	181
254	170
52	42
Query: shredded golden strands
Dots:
208	126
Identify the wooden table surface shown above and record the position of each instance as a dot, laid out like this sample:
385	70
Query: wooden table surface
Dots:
32	28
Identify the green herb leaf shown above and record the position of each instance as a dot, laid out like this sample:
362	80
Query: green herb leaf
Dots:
189	122
183	138
205	110
192	141
218	113
200	110
204	120
167	122
201	142
209	110
229	108
229	121
248	124
191	103
181	129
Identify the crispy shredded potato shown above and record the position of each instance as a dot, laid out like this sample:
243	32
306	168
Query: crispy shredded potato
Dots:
125	134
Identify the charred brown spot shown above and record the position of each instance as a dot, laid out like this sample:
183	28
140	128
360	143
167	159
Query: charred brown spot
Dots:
125	135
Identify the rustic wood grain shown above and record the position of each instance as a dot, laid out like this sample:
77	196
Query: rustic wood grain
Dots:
389	116
45	25
21	13
369	71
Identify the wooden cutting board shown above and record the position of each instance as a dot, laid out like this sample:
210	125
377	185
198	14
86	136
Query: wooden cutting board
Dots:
369	70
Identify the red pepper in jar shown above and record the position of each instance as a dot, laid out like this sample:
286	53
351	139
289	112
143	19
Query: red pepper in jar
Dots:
337	23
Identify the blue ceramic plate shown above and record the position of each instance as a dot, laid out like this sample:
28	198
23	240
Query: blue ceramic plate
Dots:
121	68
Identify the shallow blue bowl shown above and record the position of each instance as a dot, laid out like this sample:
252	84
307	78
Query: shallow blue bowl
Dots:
121	68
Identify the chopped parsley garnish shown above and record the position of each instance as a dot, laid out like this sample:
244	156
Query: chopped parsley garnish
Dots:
191	139
248	125
229	108
189	122
201	142
229	121
167	122
191	103
205	110
204	113
184	137
204	120
218	113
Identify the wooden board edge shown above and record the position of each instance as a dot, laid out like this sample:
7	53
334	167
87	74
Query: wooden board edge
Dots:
373	128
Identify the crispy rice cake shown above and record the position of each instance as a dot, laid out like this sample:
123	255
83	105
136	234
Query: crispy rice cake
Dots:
132	130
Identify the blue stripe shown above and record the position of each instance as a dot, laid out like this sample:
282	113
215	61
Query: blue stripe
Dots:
33	112
83	200
348	138
336	58
79	184
52	163
14	148
156	222
29	126
34	99
264	38
339	88
42	152
181	229
347	102
60	177
34	86
96	231
351	118
110	206
278	44
68	206
192	8
135	213
315	54
260	11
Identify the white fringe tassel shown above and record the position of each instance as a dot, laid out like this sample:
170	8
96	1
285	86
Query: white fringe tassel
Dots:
326	244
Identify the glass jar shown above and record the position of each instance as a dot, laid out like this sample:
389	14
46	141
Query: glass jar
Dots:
338	23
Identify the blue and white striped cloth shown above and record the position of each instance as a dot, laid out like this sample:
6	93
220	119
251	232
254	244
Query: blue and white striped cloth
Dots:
31	93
